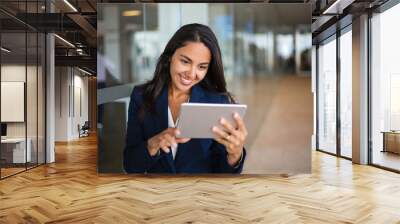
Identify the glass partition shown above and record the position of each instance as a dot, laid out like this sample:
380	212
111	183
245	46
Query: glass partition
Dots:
22	90
31	97
41	97
385	89
346	93
327	96
13	108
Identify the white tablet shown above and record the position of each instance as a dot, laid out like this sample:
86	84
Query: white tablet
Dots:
197	119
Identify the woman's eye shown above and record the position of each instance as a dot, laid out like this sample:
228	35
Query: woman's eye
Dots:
184	61
203	67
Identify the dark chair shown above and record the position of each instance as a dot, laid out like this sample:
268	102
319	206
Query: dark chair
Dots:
84	130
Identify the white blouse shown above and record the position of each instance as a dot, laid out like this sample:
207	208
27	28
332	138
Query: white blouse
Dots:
171	124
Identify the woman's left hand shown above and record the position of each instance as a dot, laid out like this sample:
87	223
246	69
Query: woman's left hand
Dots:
232	138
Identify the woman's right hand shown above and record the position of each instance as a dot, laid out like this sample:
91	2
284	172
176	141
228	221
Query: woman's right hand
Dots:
164	140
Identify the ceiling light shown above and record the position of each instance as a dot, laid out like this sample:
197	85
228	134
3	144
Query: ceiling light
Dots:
131	13
337	7
65	41
84	71
79	51
70	5
5	50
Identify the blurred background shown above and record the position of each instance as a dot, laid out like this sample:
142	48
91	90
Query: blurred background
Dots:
266	50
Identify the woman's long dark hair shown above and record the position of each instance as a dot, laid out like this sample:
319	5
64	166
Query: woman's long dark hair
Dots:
214	79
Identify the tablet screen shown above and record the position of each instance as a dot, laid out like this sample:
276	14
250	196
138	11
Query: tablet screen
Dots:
197	119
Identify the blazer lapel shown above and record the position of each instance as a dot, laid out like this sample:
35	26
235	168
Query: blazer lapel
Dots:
162	110
196	96
162	121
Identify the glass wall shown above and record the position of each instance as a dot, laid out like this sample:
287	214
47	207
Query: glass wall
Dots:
13	120
41	97
384	95
326	132
334	50
31	101
346	92
385	89
22	92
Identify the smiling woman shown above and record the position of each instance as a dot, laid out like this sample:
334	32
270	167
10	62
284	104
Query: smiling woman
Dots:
189	69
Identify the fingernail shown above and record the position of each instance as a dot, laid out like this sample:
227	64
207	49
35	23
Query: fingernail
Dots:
214	128
236	115
177	132
222	120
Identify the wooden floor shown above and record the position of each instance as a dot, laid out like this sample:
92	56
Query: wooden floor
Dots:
8	171
71	191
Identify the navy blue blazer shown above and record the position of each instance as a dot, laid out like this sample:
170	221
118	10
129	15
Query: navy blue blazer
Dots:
194	156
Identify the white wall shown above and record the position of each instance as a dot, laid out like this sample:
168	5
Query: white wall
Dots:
16	73
71	93
80	100
62	81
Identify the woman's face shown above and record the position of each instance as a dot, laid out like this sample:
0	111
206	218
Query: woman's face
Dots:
189	65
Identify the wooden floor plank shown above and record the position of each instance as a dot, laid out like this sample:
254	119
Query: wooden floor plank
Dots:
71	191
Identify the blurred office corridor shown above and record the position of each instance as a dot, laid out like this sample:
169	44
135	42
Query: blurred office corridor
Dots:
280	122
